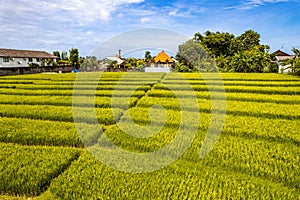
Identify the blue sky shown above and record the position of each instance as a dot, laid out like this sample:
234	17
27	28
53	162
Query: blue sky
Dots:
63	24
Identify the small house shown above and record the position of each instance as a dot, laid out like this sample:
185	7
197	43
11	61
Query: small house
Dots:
280	58
13	58
113	63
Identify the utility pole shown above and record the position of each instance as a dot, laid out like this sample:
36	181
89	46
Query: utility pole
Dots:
120	53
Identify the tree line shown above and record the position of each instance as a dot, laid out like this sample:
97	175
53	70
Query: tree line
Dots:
243	53
63	59
229	53
207	52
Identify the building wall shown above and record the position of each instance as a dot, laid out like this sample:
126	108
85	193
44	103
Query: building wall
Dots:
18	62
161	65
158	69
283	69
32	70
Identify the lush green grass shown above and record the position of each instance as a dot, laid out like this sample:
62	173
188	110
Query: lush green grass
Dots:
256	157
28	170
181	180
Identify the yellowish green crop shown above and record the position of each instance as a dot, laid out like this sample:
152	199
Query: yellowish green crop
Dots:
43	156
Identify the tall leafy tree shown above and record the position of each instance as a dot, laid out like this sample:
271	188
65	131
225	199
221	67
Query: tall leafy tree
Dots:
253	60
131	62
74	57
217	44
294	62
64	55
147	56
57	54
89	62
192	55
242	54
140	63
246	41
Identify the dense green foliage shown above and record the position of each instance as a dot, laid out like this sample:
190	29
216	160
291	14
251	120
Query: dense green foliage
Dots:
294	63
193	57
257	156
217	44
243	53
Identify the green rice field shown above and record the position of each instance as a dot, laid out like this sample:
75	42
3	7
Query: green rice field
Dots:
43	157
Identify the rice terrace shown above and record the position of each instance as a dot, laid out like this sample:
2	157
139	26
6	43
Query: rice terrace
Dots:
256	157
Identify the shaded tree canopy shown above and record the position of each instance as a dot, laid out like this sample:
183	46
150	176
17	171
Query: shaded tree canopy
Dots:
74	57
64	55
57	54
89	62
217	44
148	56
193	57
131	62
246	41
243	53
252	60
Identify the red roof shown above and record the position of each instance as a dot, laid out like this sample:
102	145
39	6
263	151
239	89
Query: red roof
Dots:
24	53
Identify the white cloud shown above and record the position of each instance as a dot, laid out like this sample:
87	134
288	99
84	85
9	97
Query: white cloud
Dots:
142	12
64	5
250	4
145	20
81	10
173	12
183	10
57	24
89	32
93	9
120	15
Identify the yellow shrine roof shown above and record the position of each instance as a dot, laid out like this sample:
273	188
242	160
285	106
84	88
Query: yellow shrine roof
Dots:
163	57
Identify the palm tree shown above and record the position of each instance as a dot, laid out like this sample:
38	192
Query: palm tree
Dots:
294	62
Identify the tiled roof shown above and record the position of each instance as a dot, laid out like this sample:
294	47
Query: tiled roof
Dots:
280	53
14	53
163	57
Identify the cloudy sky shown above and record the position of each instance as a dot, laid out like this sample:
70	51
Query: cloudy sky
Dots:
85	24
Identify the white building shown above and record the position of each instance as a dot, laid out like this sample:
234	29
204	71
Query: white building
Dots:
281	57
117	59
12	58
108	63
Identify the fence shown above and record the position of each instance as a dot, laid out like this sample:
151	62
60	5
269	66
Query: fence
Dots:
34	70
